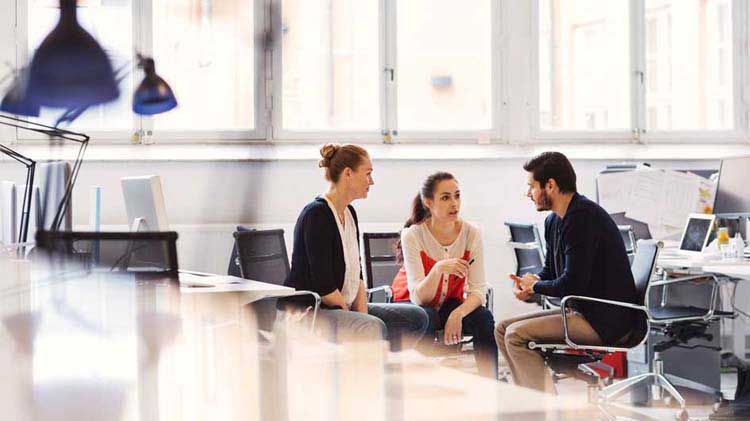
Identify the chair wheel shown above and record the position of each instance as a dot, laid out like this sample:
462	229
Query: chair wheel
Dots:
682	415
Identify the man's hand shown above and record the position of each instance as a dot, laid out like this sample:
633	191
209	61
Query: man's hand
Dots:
523	287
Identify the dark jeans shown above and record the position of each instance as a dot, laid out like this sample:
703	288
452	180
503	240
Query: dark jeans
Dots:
402	324
479	324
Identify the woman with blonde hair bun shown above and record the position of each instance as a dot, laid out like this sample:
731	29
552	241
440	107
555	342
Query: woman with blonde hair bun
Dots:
325	257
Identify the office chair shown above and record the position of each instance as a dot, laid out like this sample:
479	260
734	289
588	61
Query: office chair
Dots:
233	269
263	257
677	324
528	249
381	264
572	360
143	253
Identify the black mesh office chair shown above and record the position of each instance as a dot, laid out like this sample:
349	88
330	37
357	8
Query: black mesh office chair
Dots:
146	253
676	325
381	264
263	257
233	269
528	249
585	363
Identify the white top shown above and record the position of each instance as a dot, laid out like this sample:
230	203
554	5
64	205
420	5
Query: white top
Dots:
419	245
348	233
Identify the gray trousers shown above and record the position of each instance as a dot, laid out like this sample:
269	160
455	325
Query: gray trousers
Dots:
402	324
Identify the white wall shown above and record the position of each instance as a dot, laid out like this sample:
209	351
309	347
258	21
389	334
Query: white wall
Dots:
204	200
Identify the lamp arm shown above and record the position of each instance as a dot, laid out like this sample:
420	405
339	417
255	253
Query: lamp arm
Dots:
54	132
30	164
16	156
50	131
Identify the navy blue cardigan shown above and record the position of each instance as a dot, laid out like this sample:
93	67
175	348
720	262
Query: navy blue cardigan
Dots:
592	261
317	254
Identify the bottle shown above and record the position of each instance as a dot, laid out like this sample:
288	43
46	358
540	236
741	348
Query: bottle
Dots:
722	240
738	246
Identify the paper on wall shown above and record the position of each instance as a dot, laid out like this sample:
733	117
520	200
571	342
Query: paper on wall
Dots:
614	191
663	199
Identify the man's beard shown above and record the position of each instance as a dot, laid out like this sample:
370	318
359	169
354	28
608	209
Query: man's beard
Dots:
544	203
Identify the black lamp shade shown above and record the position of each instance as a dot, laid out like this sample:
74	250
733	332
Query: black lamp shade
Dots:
153	95
70	68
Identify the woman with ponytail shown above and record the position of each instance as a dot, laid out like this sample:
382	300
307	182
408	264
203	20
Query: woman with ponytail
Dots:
325	257
443	270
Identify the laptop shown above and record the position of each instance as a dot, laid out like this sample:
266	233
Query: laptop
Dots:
695	236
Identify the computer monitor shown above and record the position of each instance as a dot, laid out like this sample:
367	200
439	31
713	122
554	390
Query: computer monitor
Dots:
732	194
144	203
696	233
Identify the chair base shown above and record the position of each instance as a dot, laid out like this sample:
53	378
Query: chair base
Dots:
658	383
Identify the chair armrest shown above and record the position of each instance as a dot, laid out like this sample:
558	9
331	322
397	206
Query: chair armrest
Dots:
523	246
315	296
682	279
386	290
564	306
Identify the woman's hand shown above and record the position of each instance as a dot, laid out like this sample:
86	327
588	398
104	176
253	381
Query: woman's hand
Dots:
458	267
453	328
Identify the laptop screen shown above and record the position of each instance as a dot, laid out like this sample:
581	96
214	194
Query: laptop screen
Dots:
696	231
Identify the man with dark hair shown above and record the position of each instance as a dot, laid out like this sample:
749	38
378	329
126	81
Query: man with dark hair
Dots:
585	256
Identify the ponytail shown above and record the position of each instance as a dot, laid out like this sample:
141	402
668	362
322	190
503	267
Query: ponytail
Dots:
419	213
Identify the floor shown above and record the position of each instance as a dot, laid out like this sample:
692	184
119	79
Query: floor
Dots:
622	409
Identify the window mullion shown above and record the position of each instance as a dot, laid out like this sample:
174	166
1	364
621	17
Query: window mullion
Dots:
143	43
274	99
389	75
638	69
741	64
497	70
261	67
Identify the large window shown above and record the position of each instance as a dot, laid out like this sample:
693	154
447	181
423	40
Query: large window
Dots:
644	67
444	65
584	71
689	64
330	57
205	49
372	68
424	70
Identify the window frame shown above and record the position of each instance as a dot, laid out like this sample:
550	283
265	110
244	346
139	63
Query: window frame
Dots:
638	134
142	130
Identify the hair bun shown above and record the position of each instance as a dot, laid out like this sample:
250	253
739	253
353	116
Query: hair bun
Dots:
327	152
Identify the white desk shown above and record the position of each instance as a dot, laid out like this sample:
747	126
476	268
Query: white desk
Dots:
714	266
249	290
738	271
